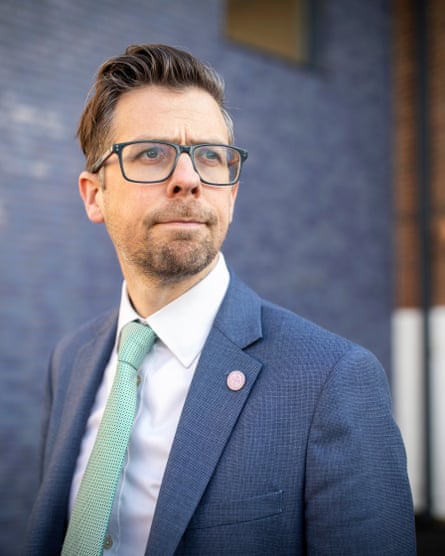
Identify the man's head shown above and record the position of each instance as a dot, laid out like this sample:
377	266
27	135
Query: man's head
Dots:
139	66
161	172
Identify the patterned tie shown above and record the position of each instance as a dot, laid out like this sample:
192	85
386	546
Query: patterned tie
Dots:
91	513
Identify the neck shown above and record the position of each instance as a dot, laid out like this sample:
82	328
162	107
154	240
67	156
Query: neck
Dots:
148	294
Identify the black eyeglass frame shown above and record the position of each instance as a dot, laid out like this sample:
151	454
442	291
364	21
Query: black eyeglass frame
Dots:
117	148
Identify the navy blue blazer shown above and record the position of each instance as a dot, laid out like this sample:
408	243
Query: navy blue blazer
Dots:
304	459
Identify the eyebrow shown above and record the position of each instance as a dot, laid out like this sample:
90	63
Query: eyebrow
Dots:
212	140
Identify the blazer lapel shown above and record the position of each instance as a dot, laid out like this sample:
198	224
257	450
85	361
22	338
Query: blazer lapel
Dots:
84	379
209	415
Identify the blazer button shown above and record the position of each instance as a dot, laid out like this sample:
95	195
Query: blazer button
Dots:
236	380
108	542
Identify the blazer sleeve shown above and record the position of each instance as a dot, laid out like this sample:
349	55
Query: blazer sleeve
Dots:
357	496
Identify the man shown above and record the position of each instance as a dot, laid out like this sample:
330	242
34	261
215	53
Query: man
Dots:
255	431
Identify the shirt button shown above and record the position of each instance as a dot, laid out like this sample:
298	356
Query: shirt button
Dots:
108	542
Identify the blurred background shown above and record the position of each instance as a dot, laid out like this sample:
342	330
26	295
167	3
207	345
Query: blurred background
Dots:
340	214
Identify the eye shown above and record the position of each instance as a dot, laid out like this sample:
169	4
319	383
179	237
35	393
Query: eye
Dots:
210	155
151	153
139	156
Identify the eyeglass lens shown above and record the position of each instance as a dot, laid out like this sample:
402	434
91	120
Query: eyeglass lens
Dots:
149	161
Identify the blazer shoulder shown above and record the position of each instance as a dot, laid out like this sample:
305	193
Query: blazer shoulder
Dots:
280	321
273	333
94	327
244	304
96	333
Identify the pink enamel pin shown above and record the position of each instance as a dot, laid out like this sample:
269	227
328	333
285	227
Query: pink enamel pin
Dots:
236	380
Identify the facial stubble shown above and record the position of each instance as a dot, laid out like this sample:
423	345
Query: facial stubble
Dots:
178	254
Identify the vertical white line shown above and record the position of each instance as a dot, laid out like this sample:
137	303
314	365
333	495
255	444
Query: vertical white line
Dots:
437	324
408	397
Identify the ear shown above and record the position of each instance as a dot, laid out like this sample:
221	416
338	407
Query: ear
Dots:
233	193
92	196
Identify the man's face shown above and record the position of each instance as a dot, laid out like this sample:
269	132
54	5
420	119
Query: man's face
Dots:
170	230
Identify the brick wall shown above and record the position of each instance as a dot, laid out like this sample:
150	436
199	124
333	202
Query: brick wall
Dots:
406	159
437	99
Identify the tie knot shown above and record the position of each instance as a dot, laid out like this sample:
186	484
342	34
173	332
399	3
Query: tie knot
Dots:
136	340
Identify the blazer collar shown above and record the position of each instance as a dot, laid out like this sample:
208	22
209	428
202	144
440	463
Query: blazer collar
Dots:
209	415
239	317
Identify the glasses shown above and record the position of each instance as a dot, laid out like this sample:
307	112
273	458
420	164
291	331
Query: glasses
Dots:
155	161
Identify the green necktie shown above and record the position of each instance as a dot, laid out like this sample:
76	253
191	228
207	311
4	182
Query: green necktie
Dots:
91	513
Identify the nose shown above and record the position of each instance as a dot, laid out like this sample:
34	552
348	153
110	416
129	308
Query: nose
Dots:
185	179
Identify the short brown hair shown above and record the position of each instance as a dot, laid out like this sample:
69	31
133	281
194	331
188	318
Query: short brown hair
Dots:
140	65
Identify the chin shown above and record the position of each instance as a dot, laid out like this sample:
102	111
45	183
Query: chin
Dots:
174	262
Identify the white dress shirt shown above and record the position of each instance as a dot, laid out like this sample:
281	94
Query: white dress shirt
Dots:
182	328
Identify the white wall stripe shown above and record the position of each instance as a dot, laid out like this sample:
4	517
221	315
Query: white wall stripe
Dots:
408	396
438	410
407	392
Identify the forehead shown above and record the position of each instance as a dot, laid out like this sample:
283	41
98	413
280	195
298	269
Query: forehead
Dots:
189	114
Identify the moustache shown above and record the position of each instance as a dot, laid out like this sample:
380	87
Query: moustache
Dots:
181	211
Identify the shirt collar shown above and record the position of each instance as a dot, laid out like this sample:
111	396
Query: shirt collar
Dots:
184	324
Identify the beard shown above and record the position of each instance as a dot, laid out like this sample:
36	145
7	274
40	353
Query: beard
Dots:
177	254
180	258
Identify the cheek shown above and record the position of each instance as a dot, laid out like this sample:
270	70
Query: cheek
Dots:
231	207
232	198
223	203
224	213
128	205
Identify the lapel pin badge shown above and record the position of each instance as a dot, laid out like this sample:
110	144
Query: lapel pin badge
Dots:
236	380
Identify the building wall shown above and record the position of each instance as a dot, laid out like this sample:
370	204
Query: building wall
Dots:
312	227
419	175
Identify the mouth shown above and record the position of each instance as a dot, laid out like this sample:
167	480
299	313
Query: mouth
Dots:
182	223
182	217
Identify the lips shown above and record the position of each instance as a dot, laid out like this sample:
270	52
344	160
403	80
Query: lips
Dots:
182	224
172	220
183	215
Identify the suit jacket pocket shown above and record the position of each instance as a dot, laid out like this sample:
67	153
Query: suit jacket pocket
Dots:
238	511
